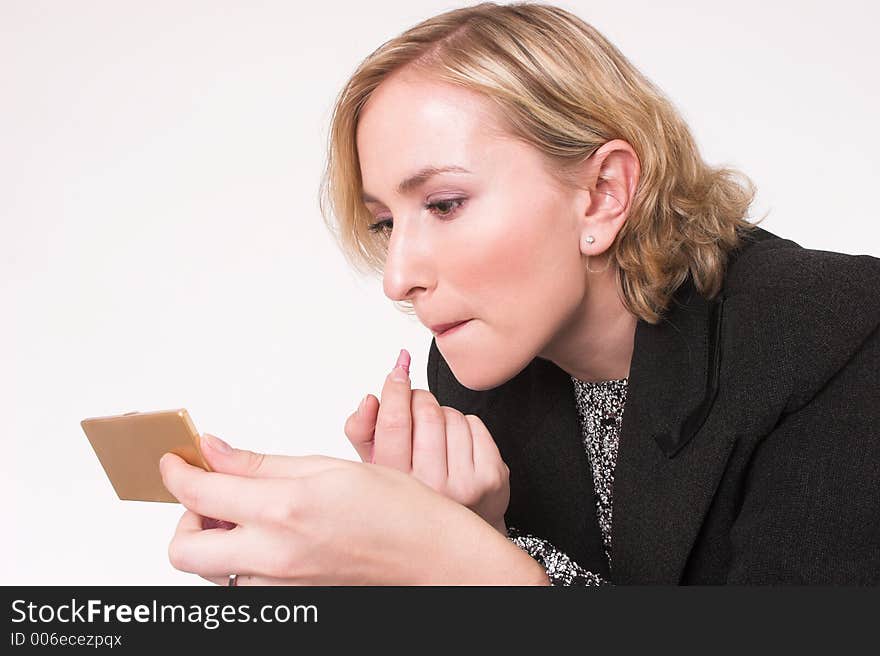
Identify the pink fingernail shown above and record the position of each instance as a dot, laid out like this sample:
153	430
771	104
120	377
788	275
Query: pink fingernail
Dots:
216	443
403	361
210	522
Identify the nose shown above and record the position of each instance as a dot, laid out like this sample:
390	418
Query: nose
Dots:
408	266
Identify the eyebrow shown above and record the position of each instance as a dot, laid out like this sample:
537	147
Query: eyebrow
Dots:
419	178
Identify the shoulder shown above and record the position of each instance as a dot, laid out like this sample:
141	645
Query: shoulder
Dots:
768	262
796	313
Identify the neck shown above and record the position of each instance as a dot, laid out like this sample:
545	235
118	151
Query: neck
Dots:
597	342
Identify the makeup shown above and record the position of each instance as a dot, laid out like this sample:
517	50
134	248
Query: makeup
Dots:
129	447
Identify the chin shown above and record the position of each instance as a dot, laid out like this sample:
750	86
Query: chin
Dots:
480	385
478	377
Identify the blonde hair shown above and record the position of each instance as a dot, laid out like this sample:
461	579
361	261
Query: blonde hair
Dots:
562	87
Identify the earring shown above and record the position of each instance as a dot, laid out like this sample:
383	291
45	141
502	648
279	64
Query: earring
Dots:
602	270
590	239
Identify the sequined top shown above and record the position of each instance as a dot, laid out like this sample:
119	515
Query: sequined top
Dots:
600	410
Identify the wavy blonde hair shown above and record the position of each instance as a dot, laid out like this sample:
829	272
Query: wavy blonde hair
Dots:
561	86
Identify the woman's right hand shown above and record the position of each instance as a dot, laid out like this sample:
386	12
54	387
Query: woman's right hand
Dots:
451	452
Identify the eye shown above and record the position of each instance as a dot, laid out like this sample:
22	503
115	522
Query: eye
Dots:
447	207
441	208
380	226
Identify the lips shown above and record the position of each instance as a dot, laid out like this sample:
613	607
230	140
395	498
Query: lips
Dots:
443	327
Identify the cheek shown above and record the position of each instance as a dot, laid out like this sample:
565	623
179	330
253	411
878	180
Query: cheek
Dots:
490	265
519	274
518	258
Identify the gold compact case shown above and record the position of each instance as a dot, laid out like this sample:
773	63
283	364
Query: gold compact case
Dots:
129	447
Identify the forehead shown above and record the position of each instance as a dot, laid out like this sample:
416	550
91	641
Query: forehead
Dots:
410	122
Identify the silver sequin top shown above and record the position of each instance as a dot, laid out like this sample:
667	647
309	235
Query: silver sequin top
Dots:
600	410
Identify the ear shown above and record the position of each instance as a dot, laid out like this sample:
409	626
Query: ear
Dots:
611	175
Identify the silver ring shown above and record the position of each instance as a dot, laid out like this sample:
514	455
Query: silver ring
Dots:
233	580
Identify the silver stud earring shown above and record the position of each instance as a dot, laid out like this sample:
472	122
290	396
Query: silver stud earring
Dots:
591	239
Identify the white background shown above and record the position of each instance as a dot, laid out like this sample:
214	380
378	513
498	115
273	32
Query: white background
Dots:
162	247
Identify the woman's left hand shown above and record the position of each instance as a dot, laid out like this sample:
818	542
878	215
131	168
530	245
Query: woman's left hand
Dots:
450	452
316	520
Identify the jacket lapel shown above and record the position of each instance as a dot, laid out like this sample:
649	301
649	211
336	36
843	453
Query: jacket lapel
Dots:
671	454
555	456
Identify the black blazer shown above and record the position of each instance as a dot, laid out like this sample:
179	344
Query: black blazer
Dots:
750	443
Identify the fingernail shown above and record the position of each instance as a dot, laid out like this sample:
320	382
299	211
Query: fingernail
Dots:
216	443
401	368
361	406
210	522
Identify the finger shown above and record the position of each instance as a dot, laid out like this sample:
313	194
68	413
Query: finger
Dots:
192	523
189	522
459	445
237	499
244	580
392	445
224	580
210	522
212	553
212	556
487	457
205	523
429	440
361	425
215	554
225	459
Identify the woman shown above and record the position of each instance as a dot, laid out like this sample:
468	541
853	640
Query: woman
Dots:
613	340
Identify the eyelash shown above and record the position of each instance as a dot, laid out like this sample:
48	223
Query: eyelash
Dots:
380	226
